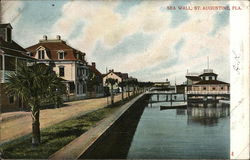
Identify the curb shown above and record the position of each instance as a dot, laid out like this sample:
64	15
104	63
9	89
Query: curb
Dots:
78	146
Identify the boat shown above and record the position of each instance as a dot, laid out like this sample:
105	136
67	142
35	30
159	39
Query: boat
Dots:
173	107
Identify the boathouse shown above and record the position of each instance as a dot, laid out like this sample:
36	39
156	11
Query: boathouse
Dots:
208	87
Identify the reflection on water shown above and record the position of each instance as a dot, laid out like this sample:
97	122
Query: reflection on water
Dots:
207	113
200	131
181	112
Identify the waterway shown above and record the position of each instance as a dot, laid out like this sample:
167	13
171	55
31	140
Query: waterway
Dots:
201	131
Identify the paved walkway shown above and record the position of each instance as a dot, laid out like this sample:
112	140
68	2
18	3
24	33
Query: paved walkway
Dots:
17	124
77	147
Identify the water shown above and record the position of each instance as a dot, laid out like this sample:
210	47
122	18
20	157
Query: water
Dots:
200	131
196	132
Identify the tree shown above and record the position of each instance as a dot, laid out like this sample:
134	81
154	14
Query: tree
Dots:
35	84
122	84
111	82
128	83
134	84
93	82
131	82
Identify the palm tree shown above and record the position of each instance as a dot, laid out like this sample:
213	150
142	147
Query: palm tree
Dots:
128	83
122	84
111	82
35	84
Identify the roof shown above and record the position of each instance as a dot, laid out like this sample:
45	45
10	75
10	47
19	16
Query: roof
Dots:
193	78
204	82
52	48
5	25
95	70
120	74
13	49
208	74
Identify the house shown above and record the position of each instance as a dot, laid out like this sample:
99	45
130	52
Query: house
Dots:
120	77
11	55
192	78
95	82
162	84
68	63
208	85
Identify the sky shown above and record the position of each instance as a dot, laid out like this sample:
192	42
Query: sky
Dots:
142	38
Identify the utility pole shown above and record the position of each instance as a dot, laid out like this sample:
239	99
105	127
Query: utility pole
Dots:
107	86
207	62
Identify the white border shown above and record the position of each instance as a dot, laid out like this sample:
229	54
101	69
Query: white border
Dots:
239	77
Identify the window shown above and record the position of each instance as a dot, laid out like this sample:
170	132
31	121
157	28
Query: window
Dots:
61	71
83	88
1	62
11	99
8	34
61	55
204	88
213	88
10	63
41	54
221	88
71	87
29	54
77	88
210	78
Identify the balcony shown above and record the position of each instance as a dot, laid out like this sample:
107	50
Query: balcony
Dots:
5	74
208	92
192	74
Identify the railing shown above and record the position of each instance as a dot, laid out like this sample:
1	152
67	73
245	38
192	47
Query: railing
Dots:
1	76
207	71
4	74
207	92
159	92
192	74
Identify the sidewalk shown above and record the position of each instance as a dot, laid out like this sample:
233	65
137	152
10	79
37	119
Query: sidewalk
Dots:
20	125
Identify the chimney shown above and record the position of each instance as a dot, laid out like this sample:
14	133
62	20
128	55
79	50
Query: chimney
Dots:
6	32
58	37
45	38
93	64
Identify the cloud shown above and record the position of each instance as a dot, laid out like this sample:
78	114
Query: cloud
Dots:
124	6
142	38
179	16
221	19
181	37
137	42
11	11
105	25
179	45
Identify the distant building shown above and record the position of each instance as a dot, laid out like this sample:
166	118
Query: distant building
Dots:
208	85
192	78
180	88
162	84
69	63
11	54
115	75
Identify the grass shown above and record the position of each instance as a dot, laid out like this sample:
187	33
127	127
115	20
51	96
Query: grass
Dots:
57	136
